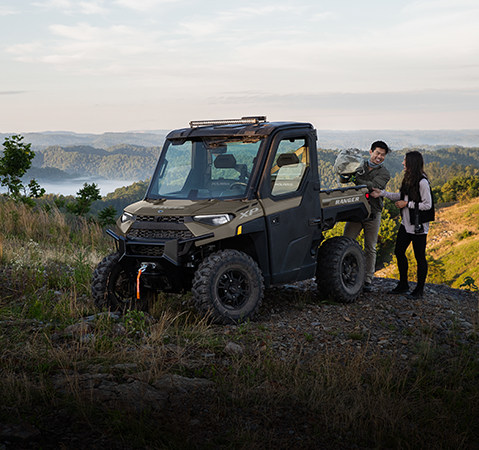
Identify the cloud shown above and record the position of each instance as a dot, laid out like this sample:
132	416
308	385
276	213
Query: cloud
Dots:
142	5
54	4
91	8
7	11
276	47
435	6
25	52
421	109
71	7
86	48
11	92
321	16
244	23
420	100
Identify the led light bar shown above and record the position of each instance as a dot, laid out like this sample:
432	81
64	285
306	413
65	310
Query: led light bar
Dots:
243	120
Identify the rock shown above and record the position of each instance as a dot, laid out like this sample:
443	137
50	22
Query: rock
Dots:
87	338
233	349
78	329
135	395
22	431
176	383
119	329
94	317
125	367
100	387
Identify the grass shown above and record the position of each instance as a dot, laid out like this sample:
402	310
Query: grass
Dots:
50	330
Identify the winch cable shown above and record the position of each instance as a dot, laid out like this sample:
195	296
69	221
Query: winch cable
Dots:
140	271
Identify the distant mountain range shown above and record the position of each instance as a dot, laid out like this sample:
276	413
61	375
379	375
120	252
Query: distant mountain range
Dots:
42	140
60	156
397	139
328	139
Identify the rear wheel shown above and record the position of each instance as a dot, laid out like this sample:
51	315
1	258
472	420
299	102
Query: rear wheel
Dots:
228	285
114	286
341	269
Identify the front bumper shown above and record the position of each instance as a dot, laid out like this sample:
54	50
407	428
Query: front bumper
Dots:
171	250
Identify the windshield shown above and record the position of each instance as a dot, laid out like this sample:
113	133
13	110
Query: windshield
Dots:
204	168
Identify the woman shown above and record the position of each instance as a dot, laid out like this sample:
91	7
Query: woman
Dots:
417	210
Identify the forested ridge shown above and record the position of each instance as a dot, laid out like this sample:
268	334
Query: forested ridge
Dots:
136	162
119	161
452	171
442	164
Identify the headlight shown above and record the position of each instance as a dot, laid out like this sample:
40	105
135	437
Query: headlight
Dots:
127	217
214	219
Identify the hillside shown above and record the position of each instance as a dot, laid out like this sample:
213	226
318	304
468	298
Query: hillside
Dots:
42	140
133	162
129	162
383	372
453	246
334	139
128	158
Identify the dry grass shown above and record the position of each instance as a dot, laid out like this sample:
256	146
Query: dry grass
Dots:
260	400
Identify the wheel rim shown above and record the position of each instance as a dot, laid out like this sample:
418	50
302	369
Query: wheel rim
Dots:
233	288
350	270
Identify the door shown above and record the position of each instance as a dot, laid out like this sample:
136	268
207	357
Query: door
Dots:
290	193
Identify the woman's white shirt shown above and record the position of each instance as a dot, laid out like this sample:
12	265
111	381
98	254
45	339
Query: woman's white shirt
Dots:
424	204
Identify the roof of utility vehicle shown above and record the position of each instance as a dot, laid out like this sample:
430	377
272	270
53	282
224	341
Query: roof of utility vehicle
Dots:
256	126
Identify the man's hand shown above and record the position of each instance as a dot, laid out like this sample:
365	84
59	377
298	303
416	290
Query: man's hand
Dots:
401	204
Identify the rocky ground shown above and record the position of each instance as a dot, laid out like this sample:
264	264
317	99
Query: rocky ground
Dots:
377	324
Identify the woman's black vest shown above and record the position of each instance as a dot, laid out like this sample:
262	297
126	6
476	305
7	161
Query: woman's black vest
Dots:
428	215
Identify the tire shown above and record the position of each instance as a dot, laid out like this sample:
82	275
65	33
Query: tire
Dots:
229	286
341	269
113	287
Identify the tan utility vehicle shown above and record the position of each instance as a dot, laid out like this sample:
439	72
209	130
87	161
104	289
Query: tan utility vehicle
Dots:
233	206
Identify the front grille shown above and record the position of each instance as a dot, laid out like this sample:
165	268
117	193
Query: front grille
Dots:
159	234
161	219
146	250
159	227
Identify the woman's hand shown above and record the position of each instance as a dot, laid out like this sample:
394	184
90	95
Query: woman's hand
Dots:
401	204
376	193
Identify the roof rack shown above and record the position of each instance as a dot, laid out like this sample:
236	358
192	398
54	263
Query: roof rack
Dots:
243	120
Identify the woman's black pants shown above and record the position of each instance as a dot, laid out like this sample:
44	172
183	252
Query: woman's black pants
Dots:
403	240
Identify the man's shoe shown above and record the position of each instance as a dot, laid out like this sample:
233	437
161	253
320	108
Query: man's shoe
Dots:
368	287
399	290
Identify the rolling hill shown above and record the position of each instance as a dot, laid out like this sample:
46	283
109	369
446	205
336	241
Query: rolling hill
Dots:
453	246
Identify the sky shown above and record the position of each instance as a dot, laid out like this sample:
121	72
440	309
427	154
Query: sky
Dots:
94	66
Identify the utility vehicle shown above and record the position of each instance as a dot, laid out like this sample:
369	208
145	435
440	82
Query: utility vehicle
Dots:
233	207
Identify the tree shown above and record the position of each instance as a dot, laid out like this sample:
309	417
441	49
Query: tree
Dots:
85	197
35	190
16	160
107	216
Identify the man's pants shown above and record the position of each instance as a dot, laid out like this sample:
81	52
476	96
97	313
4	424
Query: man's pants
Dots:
371	231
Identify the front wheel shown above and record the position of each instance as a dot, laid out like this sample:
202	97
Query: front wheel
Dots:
113	286
229	286
341	269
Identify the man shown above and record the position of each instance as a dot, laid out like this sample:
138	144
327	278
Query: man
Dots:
375	176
